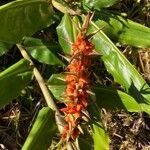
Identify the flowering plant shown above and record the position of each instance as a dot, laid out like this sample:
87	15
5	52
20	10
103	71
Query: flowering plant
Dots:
78	44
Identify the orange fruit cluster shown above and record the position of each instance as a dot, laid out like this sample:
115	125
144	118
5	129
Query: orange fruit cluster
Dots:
77	85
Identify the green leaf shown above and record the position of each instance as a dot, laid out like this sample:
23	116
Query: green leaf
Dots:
115	99
67	32
13	80
42	132
57	85
98	4
43	52
111	99
4	48
145	108
17	68
120	68
100	137
23	18
123	30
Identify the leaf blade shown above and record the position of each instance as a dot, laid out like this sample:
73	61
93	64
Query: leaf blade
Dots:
113	99
19	19
121	69
13	80
43	52
42	132
123	30
67	32
100	137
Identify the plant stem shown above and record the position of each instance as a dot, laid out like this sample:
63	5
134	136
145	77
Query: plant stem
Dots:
48	98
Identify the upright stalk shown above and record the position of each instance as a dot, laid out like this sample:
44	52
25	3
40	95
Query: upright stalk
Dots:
47	96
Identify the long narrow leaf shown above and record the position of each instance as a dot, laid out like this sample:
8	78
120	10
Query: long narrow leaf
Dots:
17	68
121	69
111	99
13	80
123	30
43	52
67	32
42	132
100	137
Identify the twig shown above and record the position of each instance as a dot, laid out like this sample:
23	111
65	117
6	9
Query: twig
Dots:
40	81
48	98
